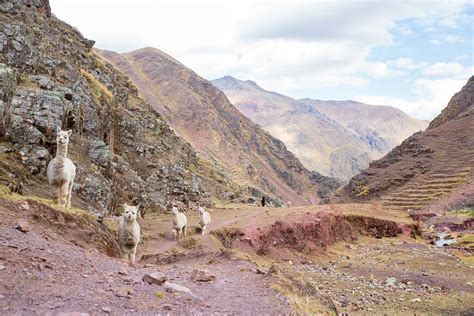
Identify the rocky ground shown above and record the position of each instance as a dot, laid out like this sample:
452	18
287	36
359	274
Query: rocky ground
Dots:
58	265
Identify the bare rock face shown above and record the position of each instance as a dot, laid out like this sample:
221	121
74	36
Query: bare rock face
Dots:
124	150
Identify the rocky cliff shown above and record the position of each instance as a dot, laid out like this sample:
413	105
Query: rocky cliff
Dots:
335	138
123	148
426	166
203	115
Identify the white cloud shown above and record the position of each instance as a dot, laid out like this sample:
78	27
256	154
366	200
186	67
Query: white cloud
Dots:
407	63
455	70
450	39
286	46
430	96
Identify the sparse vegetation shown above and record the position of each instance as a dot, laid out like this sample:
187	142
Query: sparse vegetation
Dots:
361	189
227	235
12	173
466	240
97	88
6	194
188	243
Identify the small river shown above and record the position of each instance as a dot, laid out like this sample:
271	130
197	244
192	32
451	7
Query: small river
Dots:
442	241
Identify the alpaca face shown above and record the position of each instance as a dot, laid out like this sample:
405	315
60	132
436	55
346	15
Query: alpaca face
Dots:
175	210
130	212
62	137
201	209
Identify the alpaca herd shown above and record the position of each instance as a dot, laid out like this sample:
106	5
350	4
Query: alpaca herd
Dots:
61	172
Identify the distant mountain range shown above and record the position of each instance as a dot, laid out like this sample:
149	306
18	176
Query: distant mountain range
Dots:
335	138
203	116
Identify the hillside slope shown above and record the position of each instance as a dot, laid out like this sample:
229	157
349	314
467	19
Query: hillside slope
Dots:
202	115
425	167
123	149
348	134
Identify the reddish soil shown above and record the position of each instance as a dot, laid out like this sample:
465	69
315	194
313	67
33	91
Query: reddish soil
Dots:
60	264
47	271
315	232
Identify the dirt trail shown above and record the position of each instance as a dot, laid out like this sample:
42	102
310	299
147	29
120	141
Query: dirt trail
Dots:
49	271
44	273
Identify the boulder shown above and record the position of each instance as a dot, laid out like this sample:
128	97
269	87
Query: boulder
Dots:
202	276
23	225
157	278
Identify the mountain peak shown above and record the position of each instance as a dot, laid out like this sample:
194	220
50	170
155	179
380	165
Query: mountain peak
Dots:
462	102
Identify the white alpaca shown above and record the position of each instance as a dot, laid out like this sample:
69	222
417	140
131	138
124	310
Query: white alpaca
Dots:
204	219
129	233
289	203
61	171
180	223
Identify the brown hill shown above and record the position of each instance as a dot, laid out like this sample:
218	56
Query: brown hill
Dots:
425	167
335	138
202	115
124	150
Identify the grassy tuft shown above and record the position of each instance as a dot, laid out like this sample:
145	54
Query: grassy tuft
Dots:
227	235
98	89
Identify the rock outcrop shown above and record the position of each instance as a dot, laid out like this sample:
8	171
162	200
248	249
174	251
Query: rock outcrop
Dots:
124	150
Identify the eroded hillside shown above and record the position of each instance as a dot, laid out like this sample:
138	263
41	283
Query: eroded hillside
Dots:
425	167
203	116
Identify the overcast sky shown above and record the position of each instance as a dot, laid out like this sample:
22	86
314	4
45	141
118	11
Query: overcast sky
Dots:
413	55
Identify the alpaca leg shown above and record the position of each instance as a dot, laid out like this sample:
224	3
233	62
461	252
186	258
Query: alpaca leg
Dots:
184	231
176	234
122	253
56	194
69	193
64	193
132	256
203	230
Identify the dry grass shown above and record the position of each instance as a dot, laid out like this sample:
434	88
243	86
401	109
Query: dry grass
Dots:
97	88
6	194
466	240
227	235
188	243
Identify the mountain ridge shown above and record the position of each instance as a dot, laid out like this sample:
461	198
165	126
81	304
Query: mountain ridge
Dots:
202	114
342	147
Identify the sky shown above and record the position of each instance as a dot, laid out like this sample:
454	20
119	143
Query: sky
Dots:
413	55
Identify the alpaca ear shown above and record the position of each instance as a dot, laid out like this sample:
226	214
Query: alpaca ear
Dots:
69	132
58	129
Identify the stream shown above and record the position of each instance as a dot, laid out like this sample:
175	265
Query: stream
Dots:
441	241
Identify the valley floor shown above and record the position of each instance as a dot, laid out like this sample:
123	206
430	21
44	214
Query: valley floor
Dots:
47	271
